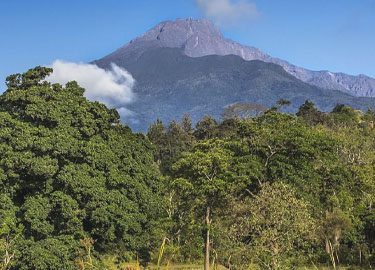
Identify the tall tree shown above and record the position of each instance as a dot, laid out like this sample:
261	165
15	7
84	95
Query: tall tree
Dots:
203	183
311	114
276	223
206	128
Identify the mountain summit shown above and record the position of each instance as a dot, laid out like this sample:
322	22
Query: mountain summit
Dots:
198	38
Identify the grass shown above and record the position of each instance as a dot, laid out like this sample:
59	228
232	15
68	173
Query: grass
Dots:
110	265
184	267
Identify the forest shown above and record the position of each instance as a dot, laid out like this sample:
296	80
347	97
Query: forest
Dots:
258	189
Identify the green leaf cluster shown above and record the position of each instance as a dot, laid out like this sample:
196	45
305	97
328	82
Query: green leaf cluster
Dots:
69	170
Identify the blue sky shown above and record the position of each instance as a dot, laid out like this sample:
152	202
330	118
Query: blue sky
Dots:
336	35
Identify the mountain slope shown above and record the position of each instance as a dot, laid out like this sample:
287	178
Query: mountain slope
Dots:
169	84
198	38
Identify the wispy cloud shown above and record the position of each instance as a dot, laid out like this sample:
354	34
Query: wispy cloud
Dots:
228	11
112	87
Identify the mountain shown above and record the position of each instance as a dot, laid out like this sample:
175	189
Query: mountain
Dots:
198	38
170	83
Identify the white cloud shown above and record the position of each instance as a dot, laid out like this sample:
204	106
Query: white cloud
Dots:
111	87
228	11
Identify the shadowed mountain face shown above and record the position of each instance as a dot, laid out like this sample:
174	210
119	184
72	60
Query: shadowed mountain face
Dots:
198	38
169	84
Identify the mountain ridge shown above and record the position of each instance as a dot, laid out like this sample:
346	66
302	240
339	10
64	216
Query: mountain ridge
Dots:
170	84
198	38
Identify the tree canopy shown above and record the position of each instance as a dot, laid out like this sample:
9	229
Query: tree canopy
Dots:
265	190
69	171
282	190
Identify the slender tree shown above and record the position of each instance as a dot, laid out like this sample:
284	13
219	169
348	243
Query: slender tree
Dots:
203	184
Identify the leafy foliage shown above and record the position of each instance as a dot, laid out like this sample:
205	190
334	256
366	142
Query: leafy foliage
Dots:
265	191
69	170
278	224
298	182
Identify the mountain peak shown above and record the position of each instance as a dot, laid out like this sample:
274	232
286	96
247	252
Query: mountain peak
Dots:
181	30
195	37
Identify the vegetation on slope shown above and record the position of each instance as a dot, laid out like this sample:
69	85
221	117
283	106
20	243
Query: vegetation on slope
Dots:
281	190
260	189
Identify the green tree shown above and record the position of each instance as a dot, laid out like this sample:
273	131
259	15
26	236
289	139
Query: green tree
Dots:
157	135
70	171
205	128
344	115
170	142
10	232
276	224
187	125
203	183
311	114
334	225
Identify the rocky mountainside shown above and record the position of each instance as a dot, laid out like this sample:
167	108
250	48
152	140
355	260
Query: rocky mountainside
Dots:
170	83
198	38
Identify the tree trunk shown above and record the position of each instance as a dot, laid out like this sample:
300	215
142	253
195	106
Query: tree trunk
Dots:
330	251
207	240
